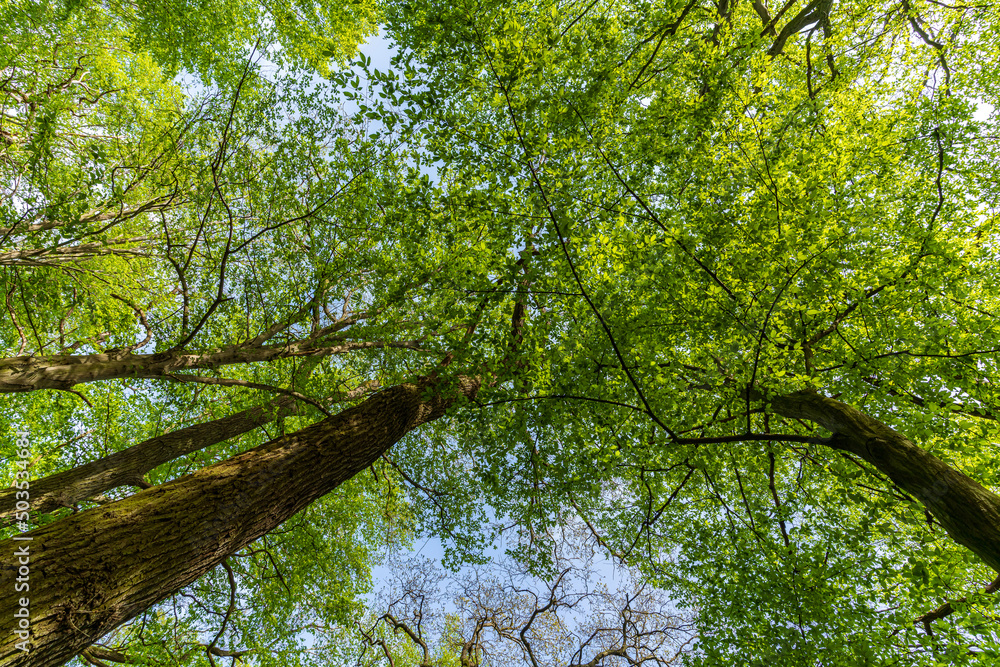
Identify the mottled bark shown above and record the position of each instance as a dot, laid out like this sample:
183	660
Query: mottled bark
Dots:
95	570
967	510
66	370
127	467
137	246
63	371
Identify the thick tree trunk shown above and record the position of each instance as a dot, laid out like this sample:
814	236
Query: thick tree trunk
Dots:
967	510
93	571
127	467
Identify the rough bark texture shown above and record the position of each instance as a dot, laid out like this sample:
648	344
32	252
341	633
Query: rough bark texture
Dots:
95	570
127	467
967	510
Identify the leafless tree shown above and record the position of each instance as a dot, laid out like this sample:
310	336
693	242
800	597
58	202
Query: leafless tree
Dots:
584	612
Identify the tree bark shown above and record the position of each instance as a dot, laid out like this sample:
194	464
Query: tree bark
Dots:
95	570
127	467
969	512
64	371
62	254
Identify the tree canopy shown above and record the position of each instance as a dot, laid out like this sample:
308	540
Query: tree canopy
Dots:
712	284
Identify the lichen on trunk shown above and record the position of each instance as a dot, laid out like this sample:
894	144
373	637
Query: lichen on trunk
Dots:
95	570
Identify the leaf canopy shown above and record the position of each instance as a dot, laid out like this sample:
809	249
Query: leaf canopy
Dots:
638	222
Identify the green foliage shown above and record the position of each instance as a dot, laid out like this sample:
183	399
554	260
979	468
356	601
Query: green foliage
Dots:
684	200
728	218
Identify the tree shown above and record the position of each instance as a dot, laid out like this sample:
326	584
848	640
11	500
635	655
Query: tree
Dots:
795	208
501	615
695	274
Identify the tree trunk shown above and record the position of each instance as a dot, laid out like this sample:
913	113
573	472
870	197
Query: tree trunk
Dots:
127	467
95	570
967	510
